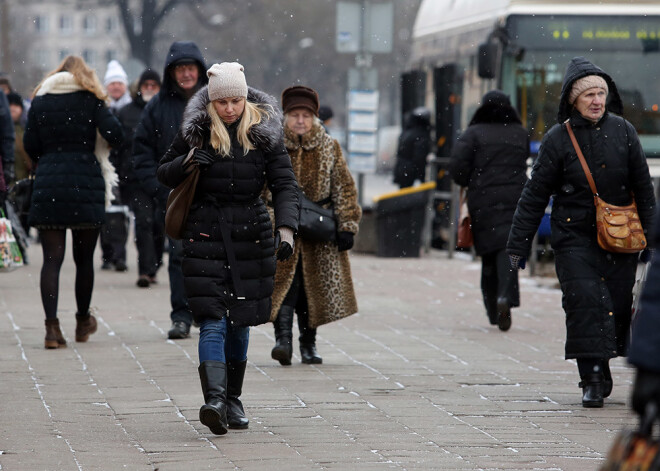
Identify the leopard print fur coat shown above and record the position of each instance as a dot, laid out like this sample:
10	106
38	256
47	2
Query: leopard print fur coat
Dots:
321	170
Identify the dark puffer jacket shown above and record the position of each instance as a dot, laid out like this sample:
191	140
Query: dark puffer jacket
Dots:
230	189
69	190
596	285
490	159
413	147
161	119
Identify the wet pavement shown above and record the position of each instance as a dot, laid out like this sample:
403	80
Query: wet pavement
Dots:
417	380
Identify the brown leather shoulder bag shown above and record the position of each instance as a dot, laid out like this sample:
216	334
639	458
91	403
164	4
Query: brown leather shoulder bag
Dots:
619	227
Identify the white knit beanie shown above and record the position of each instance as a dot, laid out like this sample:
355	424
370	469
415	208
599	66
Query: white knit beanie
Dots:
585	83
115	73
226	80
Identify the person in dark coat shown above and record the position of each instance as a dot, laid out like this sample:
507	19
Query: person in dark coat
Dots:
234	136
644	351
183	76
596	285
7	139
316	282
490	159
414	146
73	182
149	236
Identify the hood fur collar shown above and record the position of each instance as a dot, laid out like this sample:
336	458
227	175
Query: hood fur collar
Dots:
267	135
308	141
59	83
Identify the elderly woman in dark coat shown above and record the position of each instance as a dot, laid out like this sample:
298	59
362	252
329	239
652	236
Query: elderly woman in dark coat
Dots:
596	285
72	182
234	136
490	159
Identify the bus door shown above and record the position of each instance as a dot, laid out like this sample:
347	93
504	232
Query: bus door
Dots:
448	89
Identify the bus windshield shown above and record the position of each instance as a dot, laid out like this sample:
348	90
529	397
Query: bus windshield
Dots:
626	48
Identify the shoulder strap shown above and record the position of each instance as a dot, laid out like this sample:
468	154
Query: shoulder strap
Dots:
583	162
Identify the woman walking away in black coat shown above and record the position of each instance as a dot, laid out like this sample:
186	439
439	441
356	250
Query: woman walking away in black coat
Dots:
490	159
73	182
233	134
596	285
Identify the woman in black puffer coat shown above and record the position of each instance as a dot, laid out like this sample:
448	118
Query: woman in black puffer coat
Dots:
490	159
72	182
234	136
596	285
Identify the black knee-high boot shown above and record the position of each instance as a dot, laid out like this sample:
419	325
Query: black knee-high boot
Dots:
213	414
307	340
235	413
283	349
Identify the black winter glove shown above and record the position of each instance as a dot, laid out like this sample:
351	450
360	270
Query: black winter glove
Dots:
344	241
645	390
203	159
646	255
284	249
518	262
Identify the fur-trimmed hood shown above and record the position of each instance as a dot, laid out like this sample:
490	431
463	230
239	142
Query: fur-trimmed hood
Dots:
267	135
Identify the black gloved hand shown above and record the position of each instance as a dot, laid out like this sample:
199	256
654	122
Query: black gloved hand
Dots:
203	159
646	255
518	262
284	251
3	199
344	241
645	390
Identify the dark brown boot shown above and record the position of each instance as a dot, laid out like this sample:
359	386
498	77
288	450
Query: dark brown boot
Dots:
54	337
85	326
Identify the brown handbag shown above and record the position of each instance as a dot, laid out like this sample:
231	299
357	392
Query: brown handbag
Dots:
178	204
464	236
619	228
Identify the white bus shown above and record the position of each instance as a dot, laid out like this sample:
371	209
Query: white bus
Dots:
463	48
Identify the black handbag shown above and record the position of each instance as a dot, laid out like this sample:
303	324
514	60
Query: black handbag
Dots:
317	223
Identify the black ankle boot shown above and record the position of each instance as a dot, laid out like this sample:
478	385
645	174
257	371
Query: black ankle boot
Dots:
309	355
213	414
235	413
307	339
592	390
283	349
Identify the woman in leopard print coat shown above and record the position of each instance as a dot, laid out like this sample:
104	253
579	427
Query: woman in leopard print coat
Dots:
316	281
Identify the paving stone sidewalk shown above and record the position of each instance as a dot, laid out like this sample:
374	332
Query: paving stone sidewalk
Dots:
417	380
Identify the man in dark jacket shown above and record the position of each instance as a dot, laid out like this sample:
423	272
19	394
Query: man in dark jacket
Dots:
414	146
149	234
183	75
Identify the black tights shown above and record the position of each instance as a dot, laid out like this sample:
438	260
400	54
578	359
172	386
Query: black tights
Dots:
53	244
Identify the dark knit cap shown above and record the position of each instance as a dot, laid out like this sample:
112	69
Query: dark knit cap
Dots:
300	97
15	99
325	113
149	74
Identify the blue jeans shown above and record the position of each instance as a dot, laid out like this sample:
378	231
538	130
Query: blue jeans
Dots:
219	341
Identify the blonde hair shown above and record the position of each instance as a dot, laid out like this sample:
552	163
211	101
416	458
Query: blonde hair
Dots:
84	75
253	114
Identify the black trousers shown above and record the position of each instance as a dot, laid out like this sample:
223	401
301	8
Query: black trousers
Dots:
296	298
498	280
149	231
